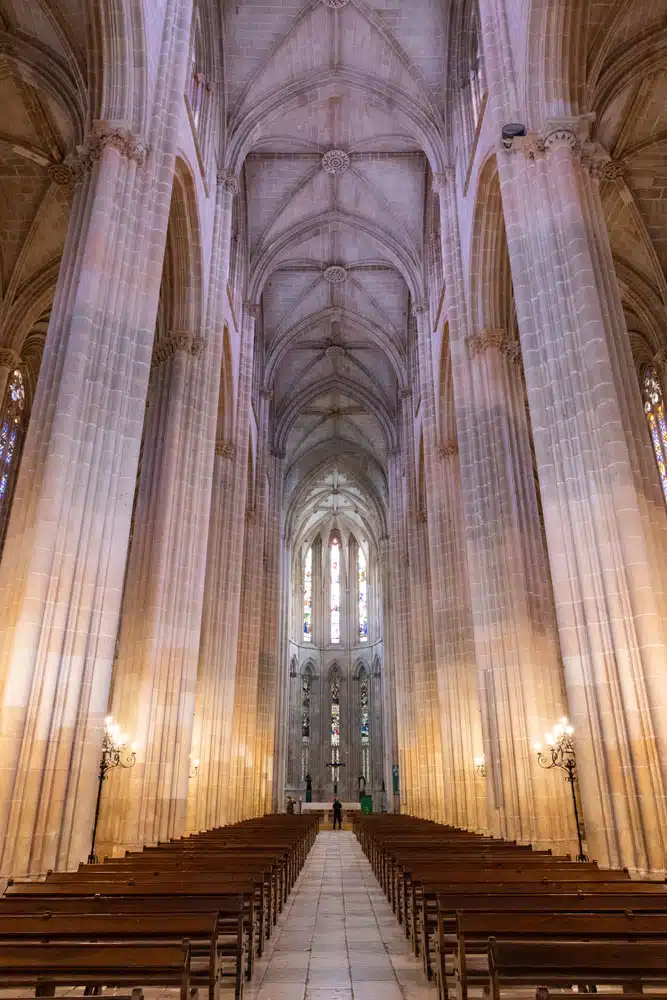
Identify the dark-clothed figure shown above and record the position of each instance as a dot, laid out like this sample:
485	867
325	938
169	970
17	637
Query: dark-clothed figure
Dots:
337	814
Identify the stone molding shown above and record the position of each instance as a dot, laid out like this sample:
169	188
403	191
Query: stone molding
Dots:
103	135
9	357
228	181
224	448
659	360
497	338
335	4
177	340
449	448
575	134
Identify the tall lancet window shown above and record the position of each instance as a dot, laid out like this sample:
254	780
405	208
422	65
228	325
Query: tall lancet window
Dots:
655	415
308	598
364	725
306	686
11	432
335	590
362	578
335	725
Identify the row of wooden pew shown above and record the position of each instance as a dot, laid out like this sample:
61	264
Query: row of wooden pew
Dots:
188	914
493	914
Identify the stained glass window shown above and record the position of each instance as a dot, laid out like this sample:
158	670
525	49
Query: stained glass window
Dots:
335	725
11	429
365	725
335	590
363	596
306	684
308	598
655	415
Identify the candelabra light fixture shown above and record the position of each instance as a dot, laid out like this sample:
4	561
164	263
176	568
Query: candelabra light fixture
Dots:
116	752
559	752
194	767
480	766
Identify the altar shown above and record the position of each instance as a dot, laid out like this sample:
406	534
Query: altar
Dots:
328	806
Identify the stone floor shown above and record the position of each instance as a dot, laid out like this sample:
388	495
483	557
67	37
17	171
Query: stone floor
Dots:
338	938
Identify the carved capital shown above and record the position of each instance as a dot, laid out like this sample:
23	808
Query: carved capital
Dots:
659	359
442	179
449	448
405	391
103	135
197	347
573	132
487	339
9	357
266	393
252	309
165	348
421	515
224	449
278	452
228	182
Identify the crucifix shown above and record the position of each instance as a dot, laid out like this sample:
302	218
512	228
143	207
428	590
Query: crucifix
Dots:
334	764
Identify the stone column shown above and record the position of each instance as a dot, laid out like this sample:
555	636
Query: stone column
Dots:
516	643
460	721
156	668
426	708
603	509
216	682
269	659
244	758
64	558
411	797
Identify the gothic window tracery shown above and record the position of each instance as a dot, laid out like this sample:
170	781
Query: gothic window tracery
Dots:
308	597
335	557
655	416
364	721
335	723
11	436
199	83
362	581
306	689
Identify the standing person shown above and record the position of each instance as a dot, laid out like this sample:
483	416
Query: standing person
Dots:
337	814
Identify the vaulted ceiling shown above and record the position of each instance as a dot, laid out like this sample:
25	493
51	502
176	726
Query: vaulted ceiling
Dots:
333	106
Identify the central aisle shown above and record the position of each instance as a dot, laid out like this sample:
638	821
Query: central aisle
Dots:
338	938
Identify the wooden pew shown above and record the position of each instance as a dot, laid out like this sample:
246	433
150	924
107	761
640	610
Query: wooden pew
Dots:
474	930
130	965
218	939
631	965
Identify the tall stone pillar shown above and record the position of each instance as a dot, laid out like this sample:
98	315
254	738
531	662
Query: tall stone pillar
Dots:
516	642
245	765
64	559
603	509
269	674
426	708
216	682
411	797
460	722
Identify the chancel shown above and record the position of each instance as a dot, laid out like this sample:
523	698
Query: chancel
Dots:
333	446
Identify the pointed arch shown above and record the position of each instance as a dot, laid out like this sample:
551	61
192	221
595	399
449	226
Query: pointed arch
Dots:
118	68
491	290
556	59
183	271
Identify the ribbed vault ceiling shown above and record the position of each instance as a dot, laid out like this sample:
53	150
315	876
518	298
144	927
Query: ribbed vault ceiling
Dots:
334	107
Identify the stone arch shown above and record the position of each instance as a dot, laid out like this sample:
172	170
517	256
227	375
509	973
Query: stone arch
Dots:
446	410
225	424
555	59
182	274
118	71
360	667
491	290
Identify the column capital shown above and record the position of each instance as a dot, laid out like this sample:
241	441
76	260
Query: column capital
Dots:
177	340
228	181
224	448
9	358
103	135
443	178
405	391
449	448
251	309
494	337
266	393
